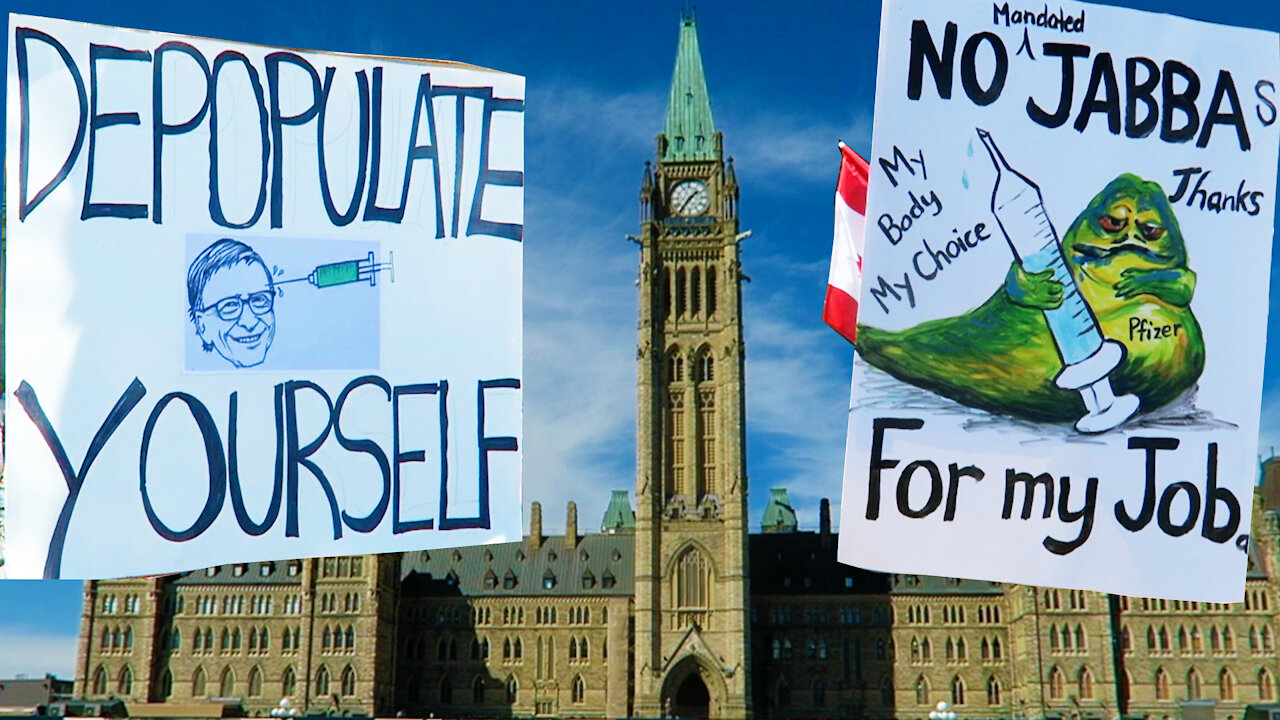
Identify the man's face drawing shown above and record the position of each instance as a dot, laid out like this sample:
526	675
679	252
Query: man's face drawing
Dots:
238	315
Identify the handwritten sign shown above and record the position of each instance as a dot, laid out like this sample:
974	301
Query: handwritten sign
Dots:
1068	237
261	303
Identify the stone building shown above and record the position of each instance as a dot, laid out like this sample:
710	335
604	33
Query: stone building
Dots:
675	608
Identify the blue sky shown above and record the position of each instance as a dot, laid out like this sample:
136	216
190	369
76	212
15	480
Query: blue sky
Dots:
785	84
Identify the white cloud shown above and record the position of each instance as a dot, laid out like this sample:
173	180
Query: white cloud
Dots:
34	654
778	148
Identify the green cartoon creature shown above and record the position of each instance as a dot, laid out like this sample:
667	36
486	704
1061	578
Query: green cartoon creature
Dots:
1126	255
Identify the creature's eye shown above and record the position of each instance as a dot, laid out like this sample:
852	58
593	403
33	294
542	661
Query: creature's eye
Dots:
1151	231
1111	223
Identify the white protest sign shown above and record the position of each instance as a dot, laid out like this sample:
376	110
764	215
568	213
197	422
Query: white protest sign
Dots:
1064	298
261	303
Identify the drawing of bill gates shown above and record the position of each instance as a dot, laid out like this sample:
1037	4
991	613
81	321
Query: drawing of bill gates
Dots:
231	302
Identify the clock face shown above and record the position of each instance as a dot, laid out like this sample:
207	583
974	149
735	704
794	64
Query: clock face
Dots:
690	198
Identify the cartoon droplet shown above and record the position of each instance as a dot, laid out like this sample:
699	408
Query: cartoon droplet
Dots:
964	179
970	153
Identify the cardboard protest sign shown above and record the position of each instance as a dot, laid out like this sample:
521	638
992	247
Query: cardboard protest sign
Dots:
1065	288
261	303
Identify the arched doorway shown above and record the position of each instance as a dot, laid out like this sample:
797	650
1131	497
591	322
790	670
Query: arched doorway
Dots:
692	699
692	689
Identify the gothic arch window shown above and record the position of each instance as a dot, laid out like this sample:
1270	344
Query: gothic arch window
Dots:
706	370
518	649
985	651
995	649
289	682
348	681
1080	638
1151	638
962	653
579	689
1228	640
1162	684
128	638
573	648
199	683
513	690
957	690
950	650
1053	638
124	682
1164	639
886	691
926	651
1056	684
1084	684
477	690
227	684
1226	685
165	689
1266	685
1193	684
993	691
446	691
322	680
692	580
351	638
922	690
100	681
255	682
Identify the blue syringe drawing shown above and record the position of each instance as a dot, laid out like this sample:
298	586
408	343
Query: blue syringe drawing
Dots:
1087	357
347	272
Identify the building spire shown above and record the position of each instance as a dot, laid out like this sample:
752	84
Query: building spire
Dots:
690	132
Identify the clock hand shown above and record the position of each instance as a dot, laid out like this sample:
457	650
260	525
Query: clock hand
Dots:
685	204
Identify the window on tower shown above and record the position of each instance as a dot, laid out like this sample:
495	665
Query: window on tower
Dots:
680	292
695	292
711	291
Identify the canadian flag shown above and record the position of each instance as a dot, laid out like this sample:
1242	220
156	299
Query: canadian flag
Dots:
844	283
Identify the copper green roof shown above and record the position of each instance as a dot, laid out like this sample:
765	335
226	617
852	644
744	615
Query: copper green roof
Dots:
779	516
619	515
690	130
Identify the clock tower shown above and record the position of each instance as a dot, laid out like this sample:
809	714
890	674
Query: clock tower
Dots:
691	621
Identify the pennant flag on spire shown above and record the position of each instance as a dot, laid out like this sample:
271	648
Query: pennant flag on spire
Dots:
845	280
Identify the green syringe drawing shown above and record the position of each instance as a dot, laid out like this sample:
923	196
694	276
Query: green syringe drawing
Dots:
348	272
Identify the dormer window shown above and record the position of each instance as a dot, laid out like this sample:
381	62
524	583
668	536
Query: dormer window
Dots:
266	569
548	580
237	570
588	580
295	567
509	581
210	572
